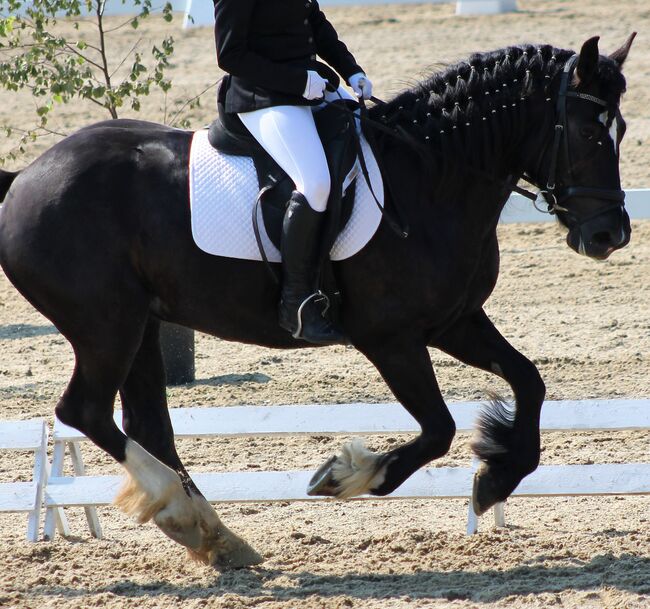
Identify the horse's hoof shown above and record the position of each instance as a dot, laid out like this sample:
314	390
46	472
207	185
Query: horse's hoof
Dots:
227	552
478	507
485	492
322	482
240	558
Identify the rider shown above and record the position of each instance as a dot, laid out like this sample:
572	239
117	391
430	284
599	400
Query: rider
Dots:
268	49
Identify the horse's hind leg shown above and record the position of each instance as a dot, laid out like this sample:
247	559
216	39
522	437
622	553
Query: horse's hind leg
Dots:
180	511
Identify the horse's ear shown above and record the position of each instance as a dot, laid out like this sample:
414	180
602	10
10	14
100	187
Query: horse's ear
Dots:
620	55
588	60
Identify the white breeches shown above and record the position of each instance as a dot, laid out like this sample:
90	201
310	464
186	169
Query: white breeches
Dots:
288	134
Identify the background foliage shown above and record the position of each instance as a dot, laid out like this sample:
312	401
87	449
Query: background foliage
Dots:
58	67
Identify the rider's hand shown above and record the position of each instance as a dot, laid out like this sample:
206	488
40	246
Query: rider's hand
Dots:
316	84
361	85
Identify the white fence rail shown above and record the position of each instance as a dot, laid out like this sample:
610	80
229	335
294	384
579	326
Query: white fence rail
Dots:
58	491
90	491
520	209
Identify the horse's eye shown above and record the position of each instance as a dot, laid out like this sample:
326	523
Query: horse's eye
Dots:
589	132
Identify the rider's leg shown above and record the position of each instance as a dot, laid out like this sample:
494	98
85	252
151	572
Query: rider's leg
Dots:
289	135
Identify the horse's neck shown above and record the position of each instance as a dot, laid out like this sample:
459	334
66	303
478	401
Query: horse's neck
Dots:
518	149
472	181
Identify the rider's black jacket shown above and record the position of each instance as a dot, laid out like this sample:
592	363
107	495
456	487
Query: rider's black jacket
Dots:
267	46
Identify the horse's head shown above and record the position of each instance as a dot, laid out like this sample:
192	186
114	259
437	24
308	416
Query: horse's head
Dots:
579	162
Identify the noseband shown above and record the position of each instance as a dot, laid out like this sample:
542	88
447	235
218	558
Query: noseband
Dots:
550	195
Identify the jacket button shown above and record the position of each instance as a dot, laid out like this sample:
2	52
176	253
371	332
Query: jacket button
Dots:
306	21
313	57
310	40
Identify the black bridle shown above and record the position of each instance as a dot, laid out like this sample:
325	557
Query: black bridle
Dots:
553	197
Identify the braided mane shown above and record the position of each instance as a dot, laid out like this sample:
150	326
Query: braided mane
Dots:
475	111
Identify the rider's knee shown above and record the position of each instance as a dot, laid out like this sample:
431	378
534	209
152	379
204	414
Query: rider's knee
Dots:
317	192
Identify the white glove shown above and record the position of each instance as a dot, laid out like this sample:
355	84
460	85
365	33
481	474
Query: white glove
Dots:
316	84
361	85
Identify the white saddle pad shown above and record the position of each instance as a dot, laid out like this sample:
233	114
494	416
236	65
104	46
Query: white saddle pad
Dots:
223	189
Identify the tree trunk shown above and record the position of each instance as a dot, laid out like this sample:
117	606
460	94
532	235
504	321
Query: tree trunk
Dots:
177	343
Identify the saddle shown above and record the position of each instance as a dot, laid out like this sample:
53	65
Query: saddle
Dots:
340	141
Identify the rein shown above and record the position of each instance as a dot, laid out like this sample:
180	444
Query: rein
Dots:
399	226
400	134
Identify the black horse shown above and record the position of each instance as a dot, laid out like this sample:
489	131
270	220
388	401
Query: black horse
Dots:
96	235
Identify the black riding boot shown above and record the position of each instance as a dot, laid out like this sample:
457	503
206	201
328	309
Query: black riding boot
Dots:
302	307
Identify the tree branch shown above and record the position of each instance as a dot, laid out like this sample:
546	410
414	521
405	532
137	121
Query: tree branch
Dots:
102	46
133	48
189	101
78	54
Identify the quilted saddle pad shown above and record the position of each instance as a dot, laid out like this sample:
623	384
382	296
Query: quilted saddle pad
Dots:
223	189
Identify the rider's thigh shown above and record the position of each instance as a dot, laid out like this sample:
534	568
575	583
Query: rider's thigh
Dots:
288	134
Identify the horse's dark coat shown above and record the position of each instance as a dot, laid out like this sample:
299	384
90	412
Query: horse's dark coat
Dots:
96	234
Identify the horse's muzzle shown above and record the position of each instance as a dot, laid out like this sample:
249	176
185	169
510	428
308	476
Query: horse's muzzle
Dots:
600	236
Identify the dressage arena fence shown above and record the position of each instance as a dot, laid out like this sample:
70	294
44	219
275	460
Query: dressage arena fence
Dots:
52	491
199	13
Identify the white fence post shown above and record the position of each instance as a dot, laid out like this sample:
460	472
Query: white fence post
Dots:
26	496
485	7
201	13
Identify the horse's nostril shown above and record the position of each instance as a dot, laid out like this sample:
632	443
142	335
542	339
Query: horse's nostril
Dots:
602	238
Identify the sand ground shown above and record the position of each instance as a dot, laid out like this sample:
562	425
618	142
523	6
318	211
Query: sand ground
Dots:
585	325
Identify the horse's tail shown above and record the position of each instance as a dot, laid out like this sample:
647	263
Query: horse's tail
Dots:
6	178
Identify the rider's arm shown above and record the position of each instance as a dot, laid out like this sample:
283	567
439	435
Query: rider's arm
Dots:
328	45
231	30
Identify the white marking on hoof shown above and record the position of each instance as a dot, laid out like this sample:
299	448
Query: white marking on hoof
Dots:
151	485
356	471
154	490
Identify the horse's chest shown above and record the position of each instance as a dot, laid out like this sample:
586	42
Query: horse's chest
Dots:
466	271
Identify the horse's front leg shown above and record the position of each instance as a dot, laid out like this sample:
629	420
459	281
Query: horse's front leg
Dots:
507	444
406	367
